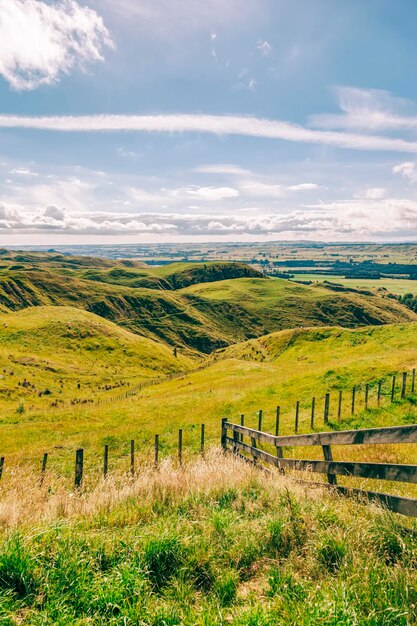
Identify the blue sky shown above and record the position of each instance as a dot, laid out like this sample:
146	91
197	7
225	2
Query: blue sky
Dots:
153	120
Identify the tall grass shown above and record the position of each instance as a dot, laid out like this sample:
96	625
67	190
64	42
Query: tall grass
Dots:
215	542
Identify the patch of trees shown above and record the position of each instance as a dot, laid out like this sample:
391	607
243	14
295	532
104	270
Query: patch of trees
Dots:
410	300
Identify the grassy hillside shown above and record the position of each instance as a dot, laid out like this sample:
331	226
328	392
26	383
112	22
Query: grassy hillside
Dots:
212	544
62	354
276	304
261	374
200	318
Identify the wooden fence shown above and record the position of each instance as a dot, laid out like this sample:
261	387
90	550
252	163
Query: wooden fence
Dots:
79	457
368	436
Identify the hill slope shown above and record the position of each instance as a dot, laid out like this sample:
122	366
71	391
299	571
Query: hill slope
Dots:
199	318
71	353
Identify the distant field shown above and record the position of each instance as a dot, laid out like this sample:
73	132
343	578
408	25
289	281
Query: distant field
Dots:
394	285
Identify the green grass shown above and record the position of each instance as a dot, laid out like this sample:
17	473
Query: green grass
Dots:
260	374
230	303
393	285
215	543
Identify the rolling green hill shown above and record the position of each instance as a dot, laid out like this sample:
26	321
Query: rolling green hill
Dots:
199	318
72	354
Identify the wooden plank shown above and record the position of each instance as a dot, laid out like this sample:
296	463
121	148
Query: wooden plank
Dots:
397	504
374	471
379	391
391	434
339	406
260	419
297	414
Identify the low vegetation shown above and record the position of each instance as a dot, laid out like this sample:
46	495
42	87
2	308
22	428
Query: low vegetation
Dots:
216	542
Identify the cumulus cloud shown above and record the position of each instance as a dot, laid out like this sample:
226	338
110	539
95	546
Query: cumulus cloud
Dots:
41	41
345	220
375	193
212	124
407	170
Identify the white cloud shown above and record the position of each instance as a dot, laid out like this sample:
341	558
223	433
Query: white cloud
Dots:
407	170
213	124
22	171
368	109
207	193
264	47
223	169
40	41
347	220
375	193
304	187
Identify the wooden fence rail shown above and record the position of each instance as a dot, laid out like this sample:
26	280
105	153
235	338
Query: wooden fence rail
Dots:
372	471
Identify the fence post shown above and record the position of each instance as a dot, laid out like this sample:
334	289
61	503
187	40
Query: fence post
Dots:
313	408
366	395
379	391
253	443
224	434
326	408
413	380
106	460
260	420
242	423
235	439
393	388
202	437
339	405
156	449
180	446
277	418
327	453
297	412
79	467
404	385
44	462
132	457
353	399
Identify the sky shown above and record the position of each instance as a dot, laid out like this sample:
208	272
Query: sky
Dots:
139	121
